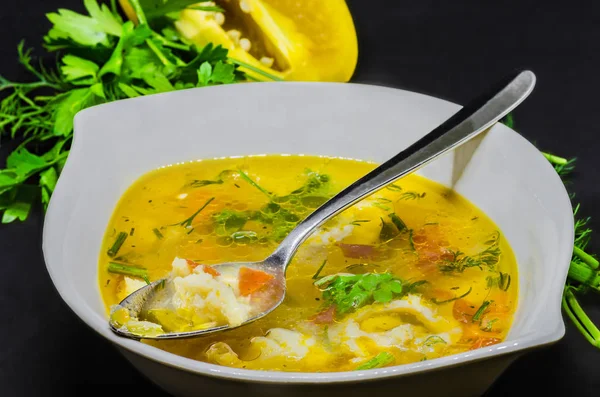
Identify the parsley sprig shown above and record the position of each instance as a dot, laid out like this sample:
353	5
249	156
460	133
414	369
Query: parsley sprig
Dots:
100	58
584	270
351	292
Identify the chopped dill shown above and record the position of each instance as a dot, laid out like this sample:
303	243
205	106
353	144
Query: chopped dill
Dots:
188	222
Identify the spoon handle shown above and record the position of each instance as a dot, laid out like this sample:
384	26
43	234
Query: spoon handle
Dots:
474	118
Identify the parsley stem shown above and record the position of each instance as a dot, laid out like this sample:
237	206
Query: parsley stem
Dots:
169	43
582	273
555	159
254	69
139	12
4	84
113	7
163	59
587	258
579	318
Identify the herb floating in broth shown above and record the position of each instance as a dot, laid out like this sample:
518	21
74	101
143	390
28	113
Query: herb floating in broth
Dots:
379	284
114	250
381	360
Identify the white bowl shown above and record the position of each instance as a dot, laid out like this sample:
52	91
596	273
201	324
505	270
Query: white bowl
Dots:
507	178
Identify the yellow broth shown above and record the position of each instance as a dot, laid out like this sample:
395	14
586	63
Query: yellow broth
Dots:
447	242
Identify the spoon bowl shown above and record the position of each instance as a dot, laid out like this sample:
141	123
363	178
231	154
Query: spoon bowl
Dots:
476	117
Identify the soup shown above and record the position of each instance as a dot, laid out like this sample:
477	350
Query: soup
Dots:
413	272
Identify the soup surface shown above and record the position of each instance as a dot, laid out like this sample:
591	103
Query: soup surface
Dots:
413	272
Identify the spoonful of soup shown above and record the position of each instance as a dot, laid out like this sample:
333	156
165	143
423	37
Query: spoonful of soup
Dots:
197	299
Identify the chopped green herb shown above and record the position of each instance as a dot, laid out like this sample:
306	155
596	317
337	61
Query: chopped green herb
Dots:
452	299
398	222
252	183
394	188
488	257
279	216
316	275
411	196
126	270
359	221
379	361
381	206
158	234
188	222
349	293
481	310
433	340
488	327
114	249
132	231
502	281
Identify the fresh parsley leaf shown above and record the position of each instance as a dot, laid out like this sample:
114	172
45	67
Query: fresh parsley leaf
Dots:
349	293
84	30
131	36
48	179
71	103
19	203
23	163
79	71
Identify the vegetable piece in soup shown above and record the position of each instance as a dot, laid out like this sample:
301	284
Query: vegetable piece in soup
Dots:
413	272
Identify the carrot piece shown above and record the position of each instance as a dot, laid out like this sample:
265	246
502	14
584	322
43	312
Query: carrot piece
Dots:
206	269
464	311
252	280
483	342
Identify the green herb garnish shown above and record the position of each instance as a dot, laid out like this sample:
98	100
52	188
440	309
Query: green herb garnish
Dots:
502	281
481	310
316	275
188	222
399	223
411	196
433	340
349	293
380	360
114	249
157	233
126	270
452	299
489	257
281	214
253	183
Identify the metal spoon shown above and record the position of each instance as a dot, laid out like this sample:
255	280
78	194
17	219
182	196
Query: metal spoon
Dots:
476	117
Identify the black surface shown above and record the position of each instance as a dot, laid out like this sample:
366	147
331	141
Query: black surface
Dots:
448	49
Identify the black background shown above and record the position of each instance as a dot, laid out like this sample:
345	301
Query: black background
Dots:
448	49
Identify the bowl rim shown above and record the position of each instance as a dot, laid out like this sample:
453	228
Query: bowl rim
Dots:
520	344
